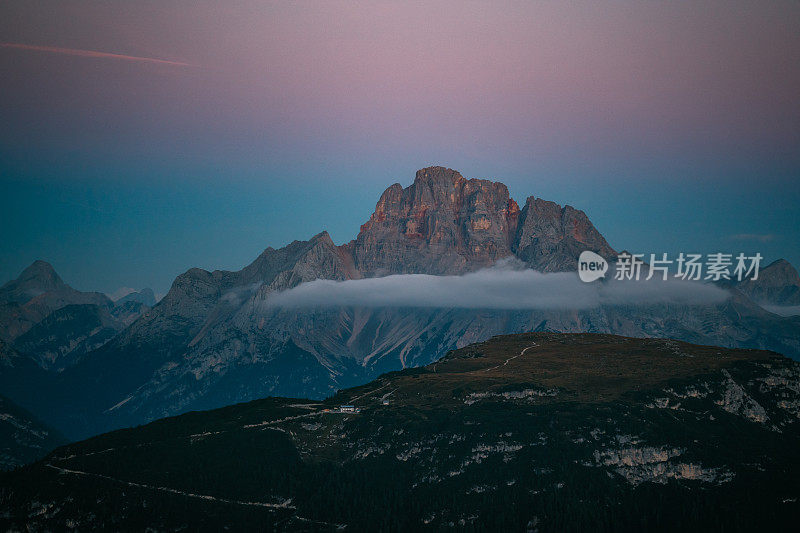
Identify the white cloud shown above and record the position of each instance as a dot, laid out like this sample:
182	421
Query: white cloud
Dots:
495	288
783	310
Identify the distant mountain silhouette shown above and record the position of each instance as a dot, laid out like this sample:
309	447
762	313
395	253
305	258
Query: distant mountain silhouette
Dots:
55	324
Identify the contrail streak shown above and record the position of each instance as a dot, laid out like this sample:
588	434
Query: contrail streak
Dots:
92	53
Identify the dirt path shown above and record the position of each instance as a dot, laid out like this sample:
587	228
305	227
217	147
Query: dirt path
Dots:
520	354
285	505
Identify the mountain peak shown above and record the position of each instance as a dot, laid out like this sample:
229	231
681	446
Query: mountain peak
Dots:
145	296
778	284
322	237
42	272
778	274
37	278
551	237
444	223
784	266
439	176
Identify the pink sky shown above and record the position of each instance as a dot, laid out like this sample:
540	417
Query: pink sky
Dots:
547	76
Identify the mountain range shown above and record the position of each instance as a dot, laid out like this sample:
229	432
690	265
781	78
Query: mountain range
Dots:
43	316
215	339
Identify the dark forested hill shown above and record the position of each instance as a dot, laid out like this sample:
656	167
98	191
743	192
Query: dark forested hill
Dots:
537	432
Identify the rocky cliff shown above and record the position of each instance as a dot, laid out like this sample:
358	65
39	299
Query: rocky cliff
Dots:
777	284
444	223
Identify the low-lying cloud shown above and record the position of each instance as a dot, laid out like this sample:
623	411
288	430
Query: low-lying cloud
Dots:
783	310
495	288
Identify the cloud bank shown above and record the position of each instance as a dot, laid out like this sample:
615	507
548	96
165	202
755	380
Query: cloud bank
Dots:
495	288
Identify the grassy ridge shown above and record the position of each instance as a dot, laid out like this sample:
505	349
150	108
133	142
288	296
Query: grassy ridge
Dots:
547	432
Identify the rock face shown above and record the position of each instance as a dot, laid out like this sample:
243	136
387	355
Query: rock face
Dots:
550	237
446	224
67	333
441	224
777	284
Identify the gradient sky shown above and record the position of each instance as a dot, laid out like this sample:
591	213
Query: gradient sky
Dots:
140	139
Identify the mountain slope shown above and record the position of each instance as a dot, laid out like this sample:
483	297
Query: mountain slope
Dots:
778	284
163	339
312	353
37	292
546	432
44	317
67	333
26	383
144	296
23	438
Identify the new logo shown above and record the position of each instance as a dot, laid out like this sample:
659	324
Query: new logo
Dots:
591	266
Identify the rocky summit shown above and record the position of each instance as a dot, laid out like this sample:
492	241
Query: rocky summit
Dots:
444	223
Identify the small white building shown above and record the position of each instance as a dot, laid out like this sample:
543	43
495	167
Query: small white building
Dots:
349	409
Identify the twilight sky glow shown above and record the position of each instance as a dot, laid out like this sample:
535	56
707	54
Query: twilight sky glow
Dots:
143	138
